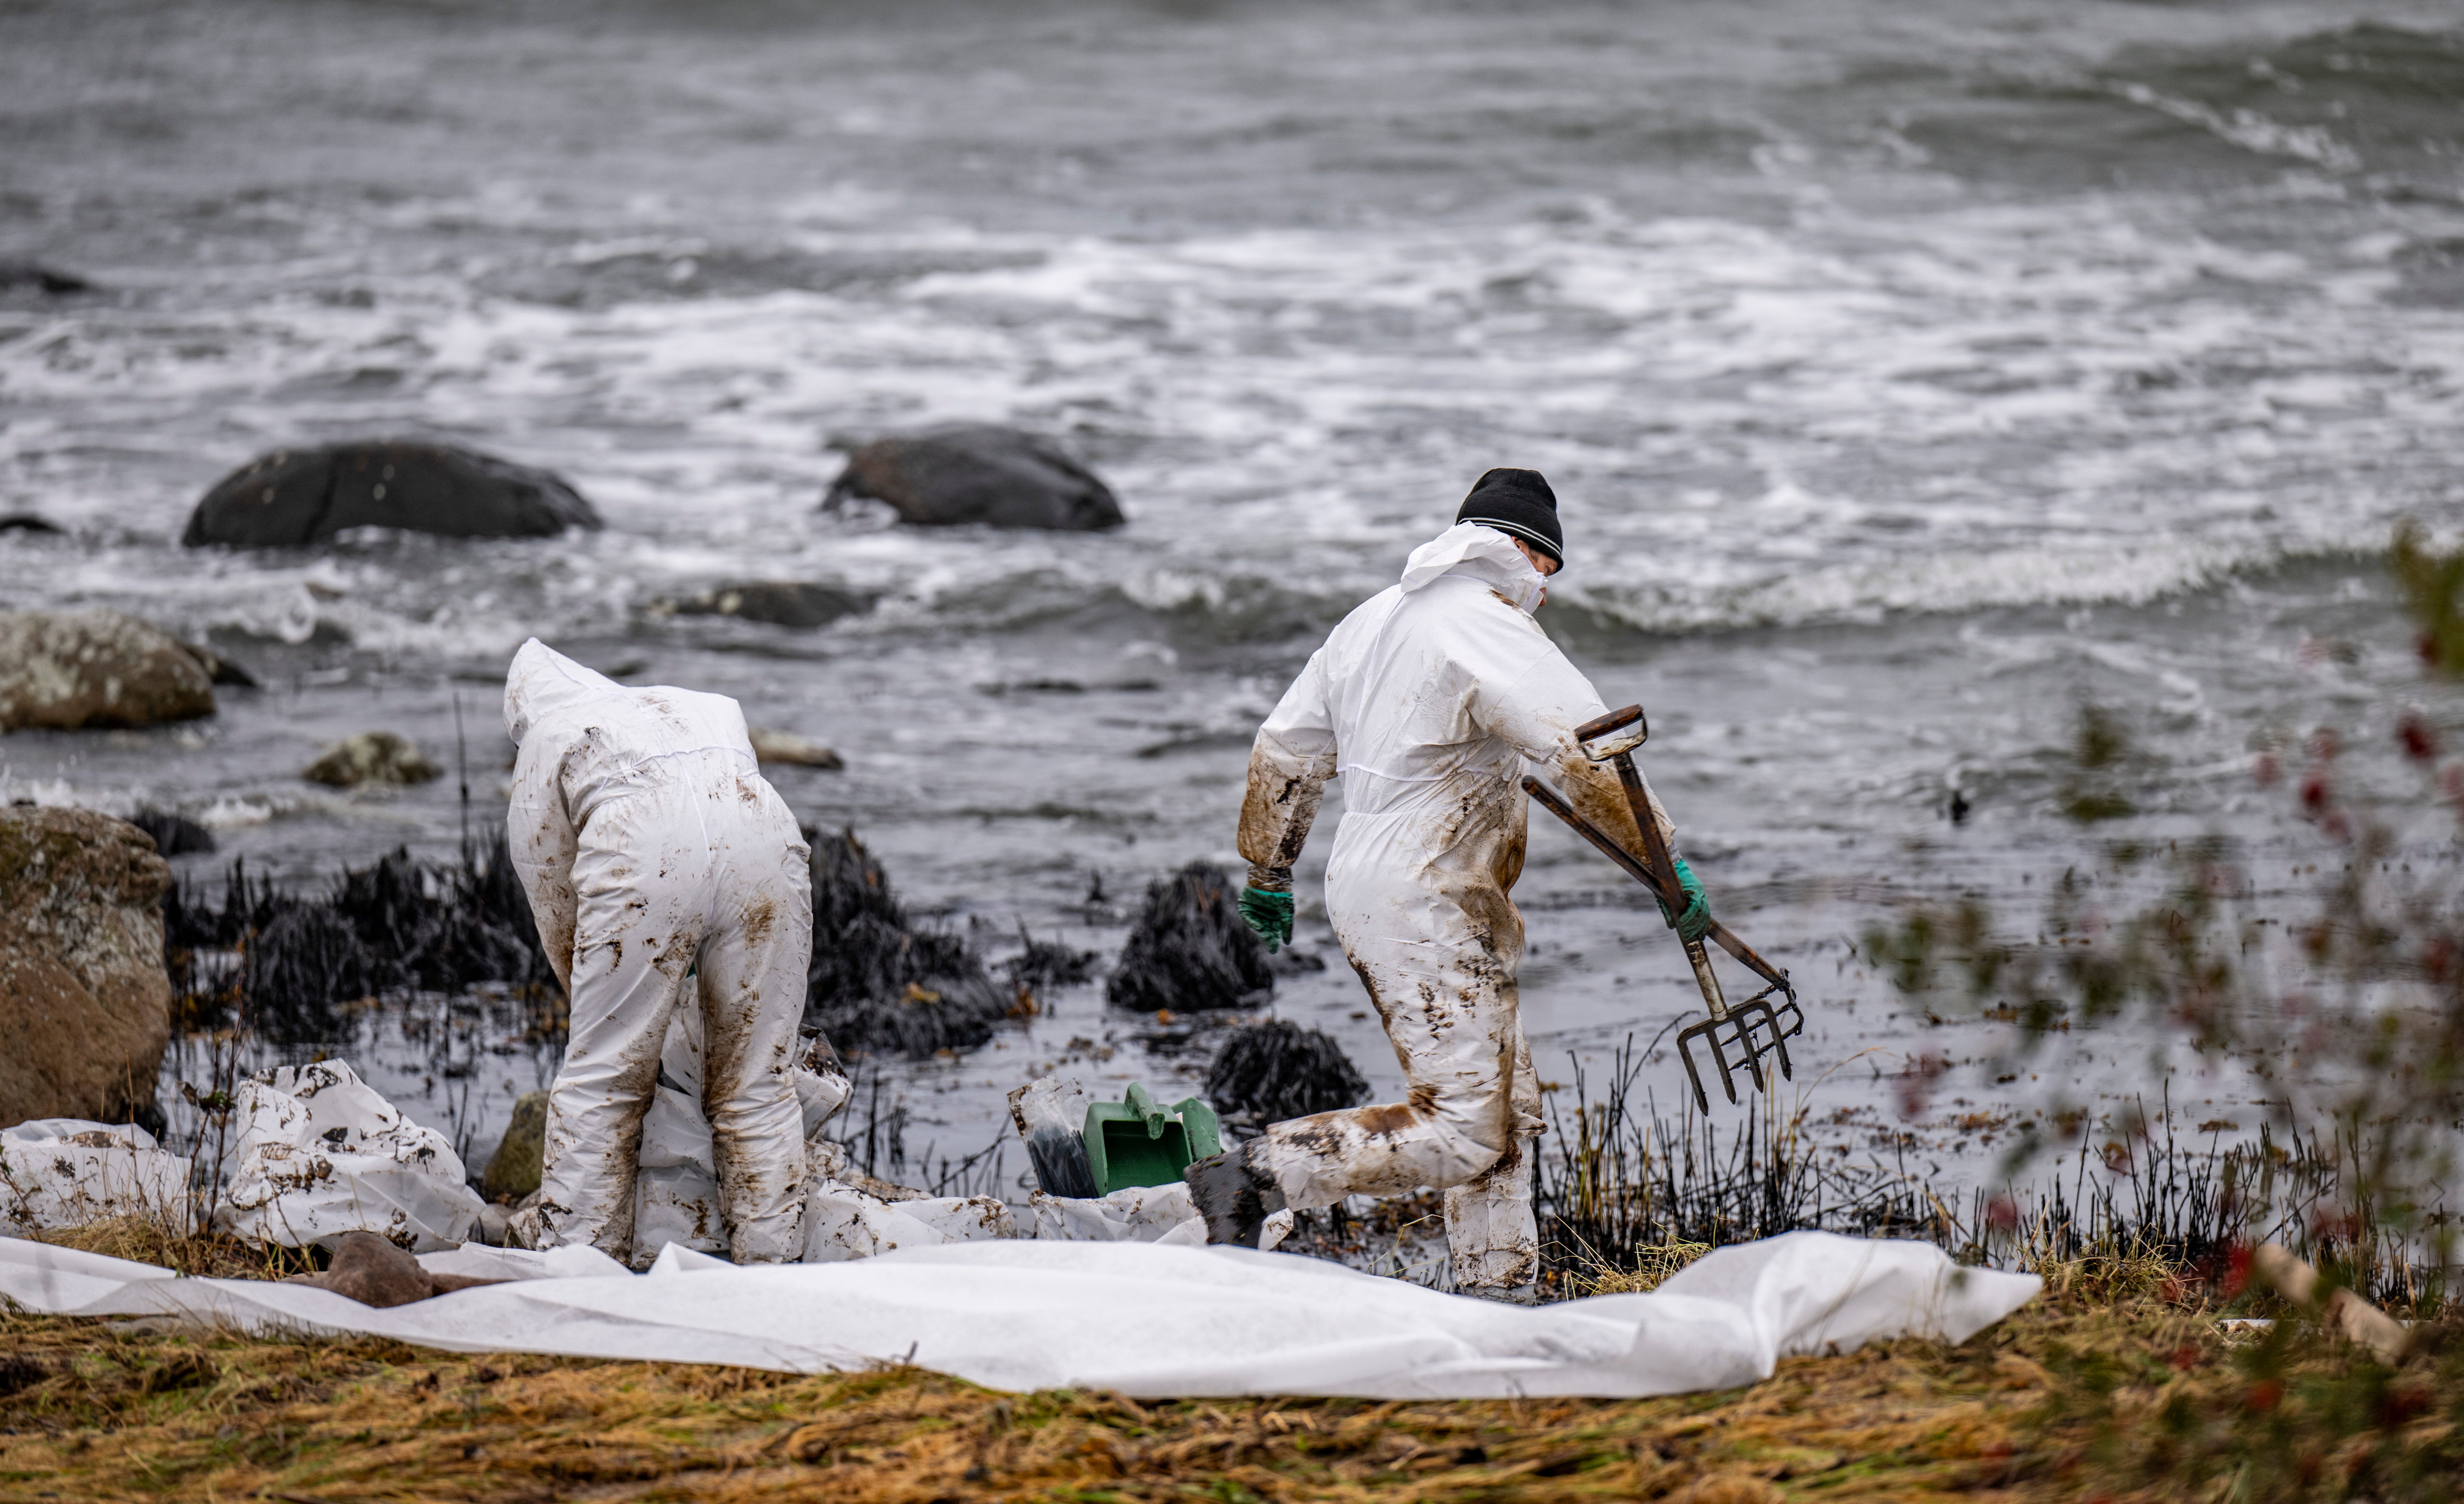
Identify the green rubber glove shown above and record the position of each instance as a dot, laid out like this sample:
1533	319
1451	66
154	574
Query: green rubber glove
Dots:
1269	915
1696	921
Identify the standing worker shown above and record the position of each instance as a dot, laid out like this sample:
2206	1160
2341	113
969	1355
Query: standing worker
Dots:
656	858
1429	699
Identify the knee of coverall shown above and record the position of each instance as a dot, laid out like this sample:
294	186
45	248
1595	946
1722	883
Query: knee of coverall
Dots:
1472	1123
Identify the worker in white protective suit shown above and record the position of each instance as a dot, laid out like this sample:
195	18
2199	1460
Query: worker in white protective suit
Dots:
660	864
1429	700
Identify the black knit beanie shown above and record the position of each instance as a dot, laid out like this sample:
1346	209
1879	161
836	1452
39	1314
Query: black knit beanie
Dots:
1518	502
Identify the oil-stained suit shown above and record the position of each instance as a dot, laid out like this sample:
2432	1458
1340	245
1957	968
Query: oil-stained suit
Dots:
1429	700
657	859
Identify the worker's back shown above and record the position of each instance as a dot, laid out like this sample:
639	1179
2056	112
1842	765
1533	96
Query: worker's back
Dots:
595	739
1416	678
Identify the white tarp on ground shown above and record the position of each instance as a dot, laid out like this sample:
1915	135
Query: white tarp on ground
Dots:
1149	1320
317	1152
1138	1214
66	1171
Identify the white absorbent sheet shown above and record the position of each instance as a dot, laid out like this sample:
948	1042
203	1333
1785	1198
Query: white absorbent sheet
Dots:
1149	1320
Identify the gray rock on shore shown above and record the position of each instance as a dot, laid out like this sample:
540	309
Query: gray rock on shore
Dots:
293	497
85	1003
521	1159
71	669
963	472
798	752
372	757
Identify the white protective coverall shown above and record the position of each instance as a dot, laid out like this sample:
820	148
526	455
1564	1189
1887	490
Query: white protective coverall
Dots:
650	847
1429	699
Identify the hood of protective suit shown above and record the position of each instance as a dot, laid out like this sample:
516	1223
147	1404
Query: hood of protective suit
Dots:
1477	553
543	682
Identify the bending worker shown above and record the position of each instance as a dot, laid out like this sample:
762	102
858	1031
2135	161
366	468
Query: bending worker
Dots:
660	866
1429	699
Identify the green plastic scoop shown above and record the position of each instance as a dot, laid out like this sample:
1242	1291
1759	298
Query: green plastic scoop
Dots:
1136	1142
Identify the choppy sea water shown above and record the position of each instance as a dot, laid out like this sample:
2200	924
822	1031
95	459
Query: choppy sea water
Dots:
1910	375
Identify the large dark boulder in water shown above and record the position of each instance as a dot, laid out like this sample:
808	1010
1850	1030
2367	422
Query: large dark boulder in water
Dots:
962	473
292	497
1190	950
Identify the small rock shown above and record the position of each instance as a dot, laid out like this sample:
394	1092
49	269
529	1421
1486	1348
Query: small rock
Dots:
84	1002
1293	961
796	751
1189	952
521	1155
372	757
218	668
16	274
964	472
27	522
780	603
70	669
174	835
292	498
375	1273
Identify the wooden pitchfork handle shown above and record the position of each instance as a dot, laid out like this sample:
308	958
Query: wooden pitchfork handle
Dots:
1643	875
1655	847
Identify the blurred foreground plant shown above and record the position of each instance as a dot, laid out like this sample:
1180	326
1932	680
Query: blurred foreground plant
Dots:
2349	1010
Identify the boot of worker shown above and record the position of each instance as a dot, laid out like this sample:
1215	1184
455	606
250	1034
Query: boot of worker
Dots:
1233	1196
1492	1232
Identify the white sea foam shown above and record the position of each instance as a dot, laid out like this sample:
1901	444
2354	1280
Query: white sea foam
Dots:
2007	368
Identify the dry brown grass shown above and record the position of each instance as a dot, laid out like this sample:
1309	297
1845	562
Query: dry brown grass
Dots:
162	1241
94	1413
1652	1266
2119	1383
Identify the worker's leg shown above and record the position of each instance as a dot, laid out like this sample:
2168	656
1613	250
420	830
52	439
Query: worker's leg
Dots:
1491	1231
638	922
753	980
1448	1008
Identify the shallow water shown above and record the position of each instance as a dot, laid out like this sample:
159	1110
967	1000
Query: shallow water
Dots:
1908	374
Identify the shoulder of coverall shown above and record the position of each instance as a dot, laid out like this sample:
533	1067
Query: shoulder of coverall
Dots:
692	720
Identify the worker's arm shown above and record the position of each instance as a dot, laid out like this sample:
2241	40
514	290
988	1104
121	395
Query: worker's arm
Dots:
1537	710
1289	766
541	838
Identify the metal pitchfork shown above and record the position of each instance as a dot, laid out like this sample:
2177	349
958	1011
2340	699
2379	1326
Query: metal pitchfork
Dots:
1752	1028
